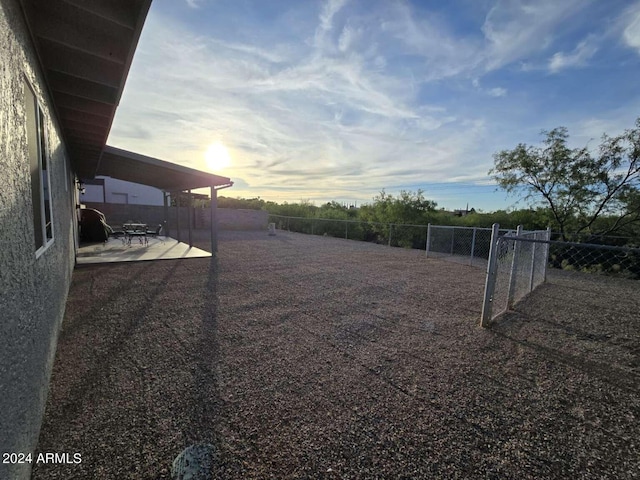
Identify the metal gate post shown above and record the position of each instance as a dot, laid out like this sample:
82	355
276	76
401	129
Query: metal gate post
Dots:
533	262
546	254
514	268
490	283
453	237
428	239
473	246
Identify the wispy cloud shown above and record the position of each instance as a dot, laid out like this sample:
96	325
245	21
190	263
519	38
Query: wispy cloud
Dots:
517	29
195	3
631	33
342	99
329	10
577	58
492	92
336	116
497	92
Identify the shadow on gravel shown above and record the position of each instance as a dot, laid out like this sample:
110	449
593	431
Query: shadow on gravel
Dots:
206	397
541	336
119	333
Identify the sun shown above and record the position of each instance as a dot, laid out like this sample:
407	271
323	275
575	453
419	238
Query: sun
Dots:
217	156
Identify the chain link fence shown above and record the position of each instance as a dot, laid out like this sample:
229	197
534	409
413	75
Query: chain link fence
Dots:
520	262
516	261
457	244
391	234
460	244
517	264
607	260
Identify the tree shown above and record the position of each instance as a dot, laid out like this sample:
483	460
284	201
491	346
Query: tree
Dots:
578	187
407	208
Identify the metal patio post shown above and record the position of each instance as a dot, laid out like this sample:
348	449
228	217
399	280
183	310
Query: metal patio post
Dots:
190	216
165	201
178	200
214	220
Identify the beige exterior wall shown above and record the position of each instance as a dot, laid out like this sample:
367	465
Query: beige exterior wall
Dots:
33	288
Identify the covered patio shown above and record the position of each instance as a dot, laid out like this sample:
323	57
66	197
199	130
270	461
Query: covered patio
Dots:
177	182
85	51
158	248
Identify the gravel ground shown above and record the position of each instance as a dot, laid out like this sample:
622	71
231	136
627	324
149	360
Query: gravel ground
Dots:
312	357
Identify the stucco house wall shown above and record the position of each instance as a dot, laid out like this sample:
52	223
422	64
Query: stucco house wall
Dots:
33	289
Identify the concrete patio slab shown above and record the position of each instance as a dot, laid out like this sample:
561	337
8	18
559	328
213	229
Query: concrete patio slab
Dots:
157	248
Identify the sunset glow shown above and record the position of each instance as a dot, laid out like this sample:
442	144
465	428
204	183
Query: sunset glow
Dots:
217	157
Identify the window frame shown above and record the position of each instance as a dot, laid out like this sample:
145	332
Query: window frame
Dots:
46	235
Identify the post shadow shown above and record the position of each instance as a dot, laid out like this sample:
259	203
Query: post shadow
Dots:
203	426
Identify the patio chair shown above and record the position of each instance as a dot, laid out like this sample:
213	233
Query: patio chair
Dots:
141	235
155	233
119	233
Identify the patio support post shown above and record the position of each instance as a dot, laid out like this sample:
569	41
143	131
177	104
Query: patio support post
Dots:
178	201
165	201
214	220
190	216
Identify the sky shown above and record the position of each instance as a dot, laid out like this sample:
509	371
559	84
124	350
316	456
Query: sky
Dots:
324	100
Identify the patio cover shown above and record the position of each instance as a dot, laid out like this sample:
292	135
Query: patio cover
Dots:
170	177
85	48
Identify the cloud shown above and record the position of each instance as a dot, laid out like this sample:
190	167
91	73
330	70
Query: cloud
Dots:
492	92
517	29
577	58
348	36
287	119
497	92
631	33
429	39
340	100
194	3
329	10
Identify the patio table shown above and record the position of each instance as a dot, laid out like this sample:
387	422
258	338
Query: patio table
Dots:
136	230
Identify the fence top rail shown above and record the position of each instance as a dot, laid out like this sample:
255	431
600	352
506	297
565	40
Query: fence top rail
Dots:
346	221
483	229
332	220
502	230
593	246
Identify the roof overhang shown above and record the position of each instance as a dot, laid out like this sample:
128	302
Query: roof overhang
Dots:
170	177
85	48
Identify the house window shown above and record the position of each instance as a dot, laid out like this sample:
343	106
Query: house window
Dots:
39	170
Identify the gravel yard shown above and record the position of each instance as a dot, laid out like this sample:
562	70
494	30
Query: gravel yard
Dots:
312	357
